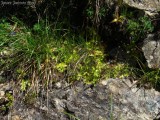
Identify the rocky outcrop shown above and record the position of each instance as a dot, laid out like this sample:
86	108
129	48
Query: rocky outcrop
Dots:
151	50
151	7
110	99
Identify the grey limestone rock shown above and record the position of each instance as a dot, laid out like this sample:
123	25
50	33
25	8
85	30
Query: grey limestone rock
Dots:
115	99
151	7
151	50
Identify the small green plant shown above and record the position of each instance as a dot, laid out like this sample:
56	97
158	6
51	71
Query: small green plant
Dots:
71	116
135	23
30	98
119	70
147	77
151	76
90	12
139	28
6	103
10	99
111	106
25	84
61	67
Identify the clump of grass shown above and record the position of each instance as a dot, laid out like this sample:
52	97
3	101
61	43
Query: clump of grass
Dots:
33	52
43	55
148	77
152	77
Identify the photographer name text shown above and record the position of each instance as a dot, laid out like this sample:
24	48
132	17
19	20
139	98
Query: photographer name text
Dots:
3	3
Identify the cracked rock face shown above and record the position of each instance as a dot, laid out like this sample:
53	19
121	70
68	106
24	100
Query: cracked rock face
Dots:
151	7
151	50
115	99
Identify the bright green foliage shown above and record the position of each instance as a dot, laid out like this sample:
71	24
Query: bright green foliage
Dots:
25	84
149	76
90	12
133	22
8	102
118	70
152	76
71	116
10	99
139	28
90	65
44	54
61	67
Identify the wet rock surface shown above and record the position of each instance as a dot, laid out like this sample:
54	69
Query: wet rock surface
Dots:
110	99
